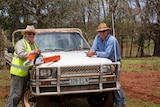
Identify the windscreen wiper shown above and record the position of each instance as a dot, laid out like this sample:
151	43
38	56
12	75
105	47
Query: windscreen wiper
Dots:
52	50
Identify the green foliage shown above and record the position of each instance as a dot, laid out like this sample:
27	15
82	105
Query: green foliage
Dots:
48	14
148	49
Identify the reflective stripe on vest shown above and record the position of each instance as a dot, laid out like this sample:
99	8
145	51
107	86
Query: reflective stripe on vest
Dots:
17	67
16	56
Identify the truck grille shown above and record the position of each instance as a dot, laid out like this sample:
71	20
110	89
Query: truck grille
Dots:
79	70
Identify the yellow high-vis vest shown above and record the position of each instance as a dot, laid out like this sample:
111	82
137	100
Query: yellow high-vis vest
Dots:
17	67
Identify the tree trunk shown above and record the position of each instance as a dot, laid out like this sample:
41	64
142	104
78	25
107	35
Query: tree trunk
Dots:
157	38
1	45
131	46
157	47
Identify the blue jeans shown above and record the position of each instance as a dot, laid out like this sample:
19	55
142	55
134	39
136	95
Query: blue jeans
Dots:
119	96
17	89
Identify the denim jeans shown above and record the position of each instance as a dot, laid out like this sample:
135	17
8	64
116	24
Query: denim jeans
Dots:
17	88
119	96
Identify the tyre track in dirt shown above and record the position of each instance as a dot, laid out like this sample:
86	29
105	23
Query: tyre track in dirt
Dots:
142	85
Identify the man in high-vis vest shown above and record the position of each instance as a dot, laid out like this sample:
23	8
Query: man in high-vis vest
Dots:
19	71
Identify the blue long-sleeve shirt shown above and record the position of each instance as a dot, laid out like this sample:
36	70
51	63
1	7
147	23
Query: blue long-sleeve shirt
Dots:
105	48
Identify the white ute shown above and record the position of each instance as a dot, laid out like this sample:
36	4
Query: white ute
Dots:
73	75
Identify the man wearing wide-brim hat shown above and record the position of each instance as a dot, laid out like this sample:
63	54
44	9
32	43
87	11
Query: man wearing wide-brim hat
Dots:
19	72
102	27
106	46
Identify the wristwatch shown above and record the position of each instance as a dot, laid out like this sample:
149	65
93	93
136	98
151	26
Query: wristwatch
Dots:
95	53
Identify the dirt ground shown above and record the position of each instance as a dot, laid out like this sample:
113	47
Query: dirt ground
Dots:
142	85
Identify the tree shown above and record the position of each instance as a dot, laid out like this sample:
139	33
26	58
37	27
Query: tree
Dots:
154	11
2	45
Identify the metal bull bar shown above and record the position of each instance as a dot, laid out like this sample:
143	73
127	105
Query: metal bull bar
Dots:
59	87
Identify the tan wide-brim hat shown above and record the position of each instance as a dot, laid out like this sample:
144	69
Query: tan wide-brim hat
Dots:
102	27
29	28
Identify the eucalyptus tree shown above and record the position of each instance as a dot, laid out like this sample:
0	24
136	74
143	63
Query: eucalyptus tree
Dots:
153	13
149	25
124	17
137	20
43	13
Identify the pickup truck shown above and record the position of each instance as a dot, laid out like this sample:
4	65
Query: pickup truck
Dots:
74	75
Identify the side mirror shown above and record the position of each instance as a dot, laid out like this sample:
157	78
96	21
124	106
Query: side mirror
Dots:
10	49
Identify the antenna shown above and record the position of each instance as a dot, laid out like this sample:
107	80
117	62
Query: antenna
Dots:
115	55
113	24
113	28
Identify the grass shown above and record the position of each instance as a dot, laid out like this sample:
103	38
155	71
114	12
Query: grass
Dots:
4	78
134	102
155	92
140	64
3	103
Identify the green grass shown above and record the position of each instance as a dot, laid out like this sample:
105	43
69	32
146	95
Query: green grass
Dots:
156	92
140	64
134	102
3	103
4	78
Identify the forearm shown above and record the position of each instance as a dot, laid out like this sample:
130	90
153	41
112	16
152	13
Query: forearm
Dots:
24	55
102	54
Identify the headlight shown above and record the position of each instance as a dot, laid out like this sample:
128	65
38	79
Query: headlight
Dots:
45	73
109	69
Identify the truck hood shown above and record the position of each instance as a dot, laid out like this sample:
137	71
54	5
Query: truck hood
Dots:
74	58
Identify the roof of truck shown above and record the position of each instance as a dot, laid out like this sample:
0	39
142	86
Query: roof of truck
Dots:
59	30
52	30
49	30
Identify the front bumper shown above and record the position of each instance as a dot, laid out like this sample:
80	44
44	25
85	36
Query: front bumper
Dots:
76	80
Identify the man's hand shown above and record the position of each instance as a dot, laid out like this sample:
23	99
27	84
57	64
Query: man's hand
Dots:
37	51
90	53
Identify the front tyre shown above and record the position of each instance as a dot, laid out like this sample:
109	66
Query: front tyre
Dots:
102	100
29	99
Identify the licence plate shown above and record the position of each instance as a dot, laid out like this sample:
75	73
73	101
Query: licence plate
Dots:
79	81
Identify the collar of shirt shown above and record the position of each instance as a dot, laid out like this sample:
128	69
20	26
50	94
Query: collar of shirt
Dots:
27	40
